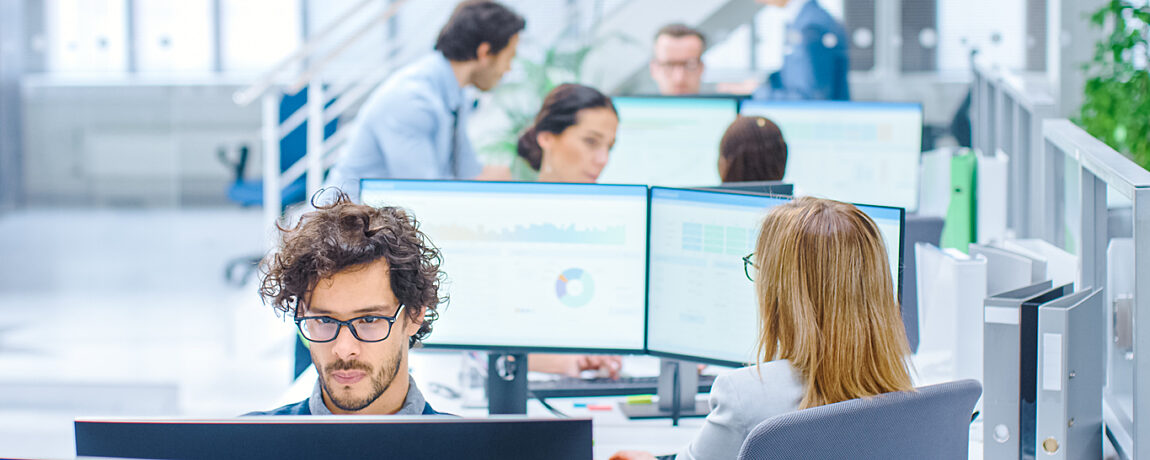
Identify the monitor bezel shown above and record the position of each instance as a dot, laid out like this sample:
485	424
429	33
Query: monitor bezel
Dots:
531	348
748	186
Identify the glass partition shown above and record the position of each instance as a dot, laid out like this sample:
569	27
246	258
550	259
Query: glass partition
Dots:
1101	210
1007	116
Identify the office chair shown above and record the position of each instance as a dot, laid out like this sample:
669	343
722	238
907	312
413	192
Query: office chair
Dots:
931	422
246	192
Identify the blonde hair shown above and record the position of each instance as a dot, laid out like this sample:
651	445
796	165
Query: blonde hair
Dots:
827	303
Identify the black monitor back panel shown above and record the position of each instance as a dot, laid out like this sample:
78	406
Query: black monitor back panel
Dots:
429	437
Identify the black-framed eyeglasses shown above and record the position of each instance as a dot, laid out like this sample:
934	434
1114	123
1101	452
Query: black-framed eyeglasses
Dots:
371	328
749	267
689	66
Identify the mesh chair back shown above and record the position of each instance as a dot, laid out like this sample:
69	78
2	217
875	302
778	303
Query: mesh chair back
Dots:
931	422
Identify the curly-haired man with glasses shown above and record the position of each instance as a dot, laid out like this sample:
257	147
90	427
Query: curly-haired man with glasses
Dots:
362	285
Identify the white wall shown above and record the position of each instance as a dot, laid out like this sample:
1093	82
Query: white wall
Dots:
132	145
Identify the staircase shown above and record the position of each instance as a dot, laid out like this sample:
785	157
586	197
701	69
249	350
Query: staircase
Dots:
328	98
622	69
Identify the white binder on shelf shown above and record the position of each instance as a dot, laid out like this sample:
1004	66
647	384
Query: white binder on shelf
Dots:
1070	367
1008	270
1061	266
991	197
951	289
934	186
1000	388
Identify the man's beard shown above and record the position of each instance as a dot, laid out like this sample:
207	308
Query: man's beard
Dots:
380	382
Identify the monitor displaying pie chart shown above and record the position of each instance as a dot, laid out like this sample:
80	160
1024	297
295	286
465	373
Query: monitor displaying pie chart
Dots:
574	287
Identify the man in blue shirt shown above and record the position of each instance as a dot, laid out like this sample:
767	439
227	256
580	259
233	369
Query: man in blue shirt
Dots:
414	126
362	285
815	63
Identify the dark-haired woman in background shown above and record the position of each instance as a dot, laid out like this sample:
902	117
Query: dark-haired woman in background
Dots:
752	150
572	135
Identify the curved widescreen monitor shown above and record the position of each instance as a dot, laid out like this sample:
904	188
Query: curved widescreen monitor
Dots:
532	266
665	140
701	305
865	152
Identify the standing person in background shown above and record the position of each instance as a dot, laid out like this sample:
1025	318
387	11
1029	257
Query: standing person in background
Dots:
677	64
831	329
815	61
415	125
752	149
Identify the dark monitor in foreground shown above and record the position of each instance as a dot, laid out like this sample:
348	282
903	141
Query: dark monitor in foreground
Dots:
769	187
425	437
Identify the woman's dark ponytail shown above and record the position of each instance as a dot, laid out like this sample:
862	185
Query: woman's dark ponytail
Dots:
529	149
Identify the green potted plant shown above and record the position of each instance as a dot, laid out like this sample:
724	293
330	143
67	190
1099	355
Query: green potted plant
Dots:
519	101
1116	103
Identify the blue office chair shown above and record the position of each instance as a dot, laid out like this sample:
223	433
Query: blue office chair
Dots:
931	422
249	193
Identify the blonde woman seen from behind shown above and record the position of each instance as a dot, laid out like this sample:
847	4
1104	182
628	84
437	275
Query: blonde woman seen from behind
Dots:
830	328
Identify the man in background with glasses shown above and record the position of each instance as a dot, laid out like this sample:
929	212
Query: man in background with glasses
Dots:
362	285
677	65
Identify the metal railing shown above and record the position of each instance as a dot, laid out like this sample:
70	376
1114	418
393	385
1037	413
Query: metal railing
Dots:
1079	172
1061	186
1007	111
316	112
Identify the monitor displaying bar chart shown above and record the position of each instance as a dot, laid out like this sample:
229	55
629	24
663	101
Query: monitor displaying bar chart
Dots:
532	266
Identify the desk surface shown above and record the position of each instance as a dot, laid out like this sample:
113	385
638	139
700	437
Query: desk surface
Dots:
434	370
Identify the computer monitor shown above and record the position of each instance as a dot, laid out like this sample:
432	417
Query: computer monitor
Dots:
701	305
865	152
669	140
532	266
350	436
769	187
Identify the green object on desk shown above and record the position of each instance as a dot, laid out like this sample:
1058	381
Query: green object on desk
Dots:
961	218
640	399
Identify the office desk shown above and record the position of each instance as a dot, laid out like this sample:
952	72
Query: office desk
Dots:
435	370
612	431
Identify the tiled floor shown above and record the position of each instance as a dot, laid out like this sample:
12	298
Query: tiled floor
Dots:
111	312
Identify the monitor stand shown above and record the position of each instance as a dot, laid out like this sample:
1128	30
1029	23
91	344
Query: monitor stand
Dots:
678	385
506	383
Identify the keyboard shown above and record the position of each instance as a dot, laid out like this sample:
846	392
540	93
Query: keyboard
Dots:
568	387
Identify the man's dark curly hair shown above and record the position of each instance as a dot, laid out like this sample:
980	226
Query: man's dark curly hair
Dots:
344	234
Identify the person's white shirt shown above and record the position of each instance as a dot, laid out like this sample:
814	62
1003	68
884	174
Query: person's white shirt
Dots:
792	9
739	401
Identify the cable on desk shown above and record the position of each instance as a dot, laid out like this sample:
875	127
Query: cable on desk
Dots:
551	408
443	390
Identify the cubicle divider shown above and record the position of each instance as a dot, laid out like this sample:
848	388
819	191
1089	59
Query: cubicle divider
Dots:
1078	173
1007	110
